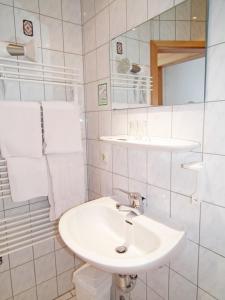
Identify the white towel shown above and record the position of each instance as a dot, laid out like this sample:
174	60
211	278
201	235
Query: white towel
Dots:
20	129
61	127
66	182
27	178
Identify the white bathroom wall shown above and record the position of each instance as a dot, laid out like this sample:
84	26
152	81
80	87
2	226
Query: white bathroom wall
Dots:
198	272
44	271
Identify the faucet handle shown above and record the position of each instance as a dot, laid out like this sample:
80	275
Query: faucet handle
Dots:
135	198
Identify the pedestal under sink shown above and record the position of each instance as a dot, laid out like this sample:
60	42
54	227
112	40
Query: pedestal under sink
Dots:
95	230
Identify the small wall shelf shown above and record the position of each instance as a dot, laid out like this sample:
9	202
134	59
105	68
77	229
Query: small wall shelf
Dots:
152	143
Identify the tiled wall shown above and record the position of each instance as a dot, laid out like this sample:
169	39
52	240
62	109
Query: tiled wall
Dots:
44	271
199	271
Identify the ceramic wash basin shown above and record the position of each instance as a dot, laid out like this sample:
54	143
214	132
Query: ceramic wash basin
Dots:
95	229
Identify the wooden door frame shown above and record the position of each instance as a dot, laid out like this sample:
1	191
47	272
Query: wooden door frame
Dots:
157	47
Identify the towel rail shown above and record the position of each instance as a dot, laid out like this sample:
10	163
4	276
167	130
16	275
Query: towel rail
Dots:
26	229
26	71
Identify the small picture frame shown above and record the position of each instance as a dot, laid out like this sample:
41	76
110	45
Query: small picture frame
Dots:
28	29
102	94
119	48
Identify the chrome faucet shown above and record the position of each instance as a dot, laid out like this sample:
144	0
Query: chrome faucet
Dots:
136	200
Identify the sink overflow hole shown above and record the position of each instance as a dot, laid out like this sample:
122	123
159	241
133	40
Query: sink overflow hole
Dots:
121	249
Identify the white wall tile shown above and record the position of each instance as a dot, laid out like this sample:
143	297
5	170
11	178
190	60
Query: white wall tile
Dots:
212	222
94	180
212	180
72	38
214	136
5	286
118	13
122	183
100	4
105	156
91	67
185	213
215	89
151	295
105	123
137	12
89	36
31	5
47	290
184	181
158	280
51	33
119	122
158	202
188	122
181	288
139	292
92	125
106	183
159	168
23	277
186	261
7	24
51	8
91	92
103	61
93	153
88	9
137	164
71	11
120	160
159	121
64	260
43	248
45	268
102	27
216	22
211	273
20	257
157	7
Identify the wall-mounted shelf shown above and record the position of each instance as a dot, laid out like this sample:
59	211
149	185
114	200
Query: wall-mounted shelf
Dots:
152	143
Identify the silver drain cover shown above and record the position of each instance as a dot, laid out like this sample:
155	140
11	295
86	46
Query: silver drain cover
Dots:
121	249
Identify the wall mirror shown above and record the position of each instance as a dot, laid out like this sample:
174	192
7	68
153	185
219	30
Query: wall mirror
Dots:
162	61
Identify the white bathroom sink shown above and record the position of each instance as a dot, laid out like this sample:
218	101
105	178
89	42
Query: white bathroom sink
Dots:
95	229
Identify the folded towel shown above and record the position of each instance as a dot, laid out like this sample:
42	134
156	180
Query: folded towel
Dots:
61	127
66	182
27	178
20	129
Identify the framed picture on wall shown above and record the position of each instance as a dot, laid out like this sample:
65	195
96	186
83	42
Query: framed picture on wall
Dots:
102	94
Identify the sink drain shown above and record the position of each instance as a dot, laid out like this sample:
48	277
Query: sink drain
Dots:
121	249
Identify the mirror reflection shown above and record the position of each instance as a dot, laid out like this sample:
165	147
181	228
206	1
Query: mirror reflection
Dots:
162	61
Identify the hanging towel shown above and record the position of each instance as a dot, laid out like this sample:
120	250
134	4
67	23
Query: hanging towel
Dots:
20	129
66	182
27	178
61	127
